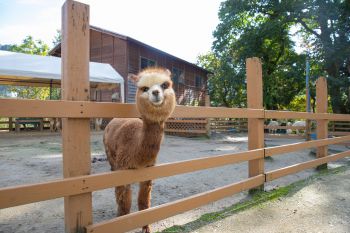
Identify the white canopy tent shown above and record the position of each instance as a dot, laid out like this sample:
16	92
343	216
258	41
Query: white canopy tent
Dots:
25	69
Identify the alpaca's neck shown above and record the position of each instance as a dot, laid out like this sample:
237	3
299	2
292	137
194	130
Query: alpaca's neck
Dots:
152	133
151	138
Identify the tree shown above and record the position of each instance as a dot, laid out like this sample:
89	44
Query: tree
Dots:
223	89
31	46
58	38
263	29
325	27
242	34
5	47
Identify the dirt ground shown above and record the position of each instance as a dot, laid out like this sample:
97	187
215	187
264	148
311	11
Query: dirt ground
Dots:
29	158
322	206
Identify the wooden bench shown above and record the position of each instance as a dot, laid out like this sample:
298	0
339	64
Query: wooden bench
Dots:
37	122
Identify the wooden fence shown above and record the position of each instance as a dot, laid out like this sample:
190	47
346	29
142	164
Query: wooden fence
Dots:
9	123
187	126
195	126
77	185
228	125
340	128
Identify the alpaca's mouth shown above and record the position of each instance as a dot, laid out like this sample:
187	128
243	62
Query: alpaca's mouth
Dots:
156	100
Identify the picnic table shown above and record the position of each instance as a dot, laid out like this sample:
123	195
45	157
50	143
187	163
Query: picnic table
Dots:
38	123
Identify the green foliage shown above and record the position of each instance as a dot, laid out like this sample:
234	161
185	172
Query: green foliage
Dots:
264	29
42	93
243	33
298	104
31	46
226	87
325	28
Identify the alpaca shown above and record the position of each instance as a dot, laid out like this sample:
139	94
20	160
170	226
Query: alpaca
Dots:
289	131
135	143
274	130
300	123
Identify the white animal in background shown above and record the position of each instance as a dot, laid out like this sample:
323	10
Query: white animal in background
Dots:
289	131
273	123
299	123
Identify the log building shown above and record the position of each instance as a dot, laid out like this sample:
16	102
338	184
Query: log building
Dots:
127	55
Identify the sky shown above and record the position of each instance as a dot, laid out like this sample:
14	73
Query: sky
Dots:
182	28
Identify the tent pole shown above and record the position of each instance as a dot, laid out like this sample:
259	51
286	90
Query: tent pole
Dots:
122	92
50	89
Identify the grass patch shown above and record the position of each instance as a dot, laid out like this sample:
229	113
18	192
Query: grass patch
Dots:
253	200
201	137
55	149
269	158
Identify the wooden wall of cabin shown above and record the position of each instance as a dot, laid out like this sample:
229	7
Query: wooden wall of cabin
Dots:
106	48
186	93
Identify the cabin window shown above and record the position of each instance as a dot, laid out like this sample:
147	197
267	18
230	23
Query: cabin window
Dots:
178	76
145	62
199	81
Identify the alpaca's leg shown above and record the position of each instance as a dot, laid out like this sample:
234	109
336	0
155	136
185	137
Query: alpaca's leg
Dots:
123	197
144	200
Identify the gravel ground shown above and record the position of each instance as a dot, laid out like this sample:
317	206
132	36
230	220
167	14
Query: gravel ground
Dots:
29	158
322	206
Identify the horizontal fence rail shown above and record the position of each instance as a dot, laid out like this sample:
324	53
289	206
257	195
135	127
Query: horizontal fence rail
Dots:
86	109
269	114
140	218
275	174
276	150
13	196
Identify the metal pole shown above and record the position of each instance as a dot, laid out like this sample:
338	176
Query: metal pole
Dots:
308	107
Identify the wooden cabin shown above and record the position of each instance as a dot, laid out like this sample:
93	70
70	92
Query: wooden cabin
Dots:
128	55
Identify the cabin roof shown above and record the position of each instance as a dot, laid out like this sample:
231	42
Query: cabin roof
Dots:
57	49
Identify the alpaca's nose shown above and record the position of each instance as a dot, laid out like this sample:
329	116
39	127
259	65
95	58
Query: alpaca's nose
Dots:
155	92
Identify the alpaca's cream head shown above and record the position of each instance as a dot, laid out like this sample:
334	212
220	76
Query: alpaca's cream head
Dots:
155	97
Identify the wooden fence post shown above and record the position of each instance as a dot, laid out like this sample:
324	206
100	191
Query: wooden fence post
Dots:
322	125
255	126
76	132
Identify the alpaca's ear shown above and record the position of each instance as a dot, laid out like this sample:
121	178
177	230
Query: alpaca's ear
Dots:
168	72
134	78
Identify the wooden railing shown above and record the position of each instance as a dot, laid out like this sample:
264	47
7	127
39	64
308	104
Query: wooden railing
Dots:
76	187
339	128
228	125
187	126
13	196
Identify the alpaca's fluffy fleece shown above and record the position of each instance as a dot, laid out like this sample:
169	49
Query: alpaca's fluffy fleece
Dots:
289	131
299	123
135	143
273	123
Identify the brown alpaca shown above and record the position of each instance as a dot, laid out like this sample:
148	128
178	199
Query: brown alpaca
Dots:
135	143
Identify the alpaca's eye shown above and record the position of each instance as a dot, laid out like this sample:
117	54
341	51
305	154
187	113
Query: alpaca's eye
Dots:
144	89
165	85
